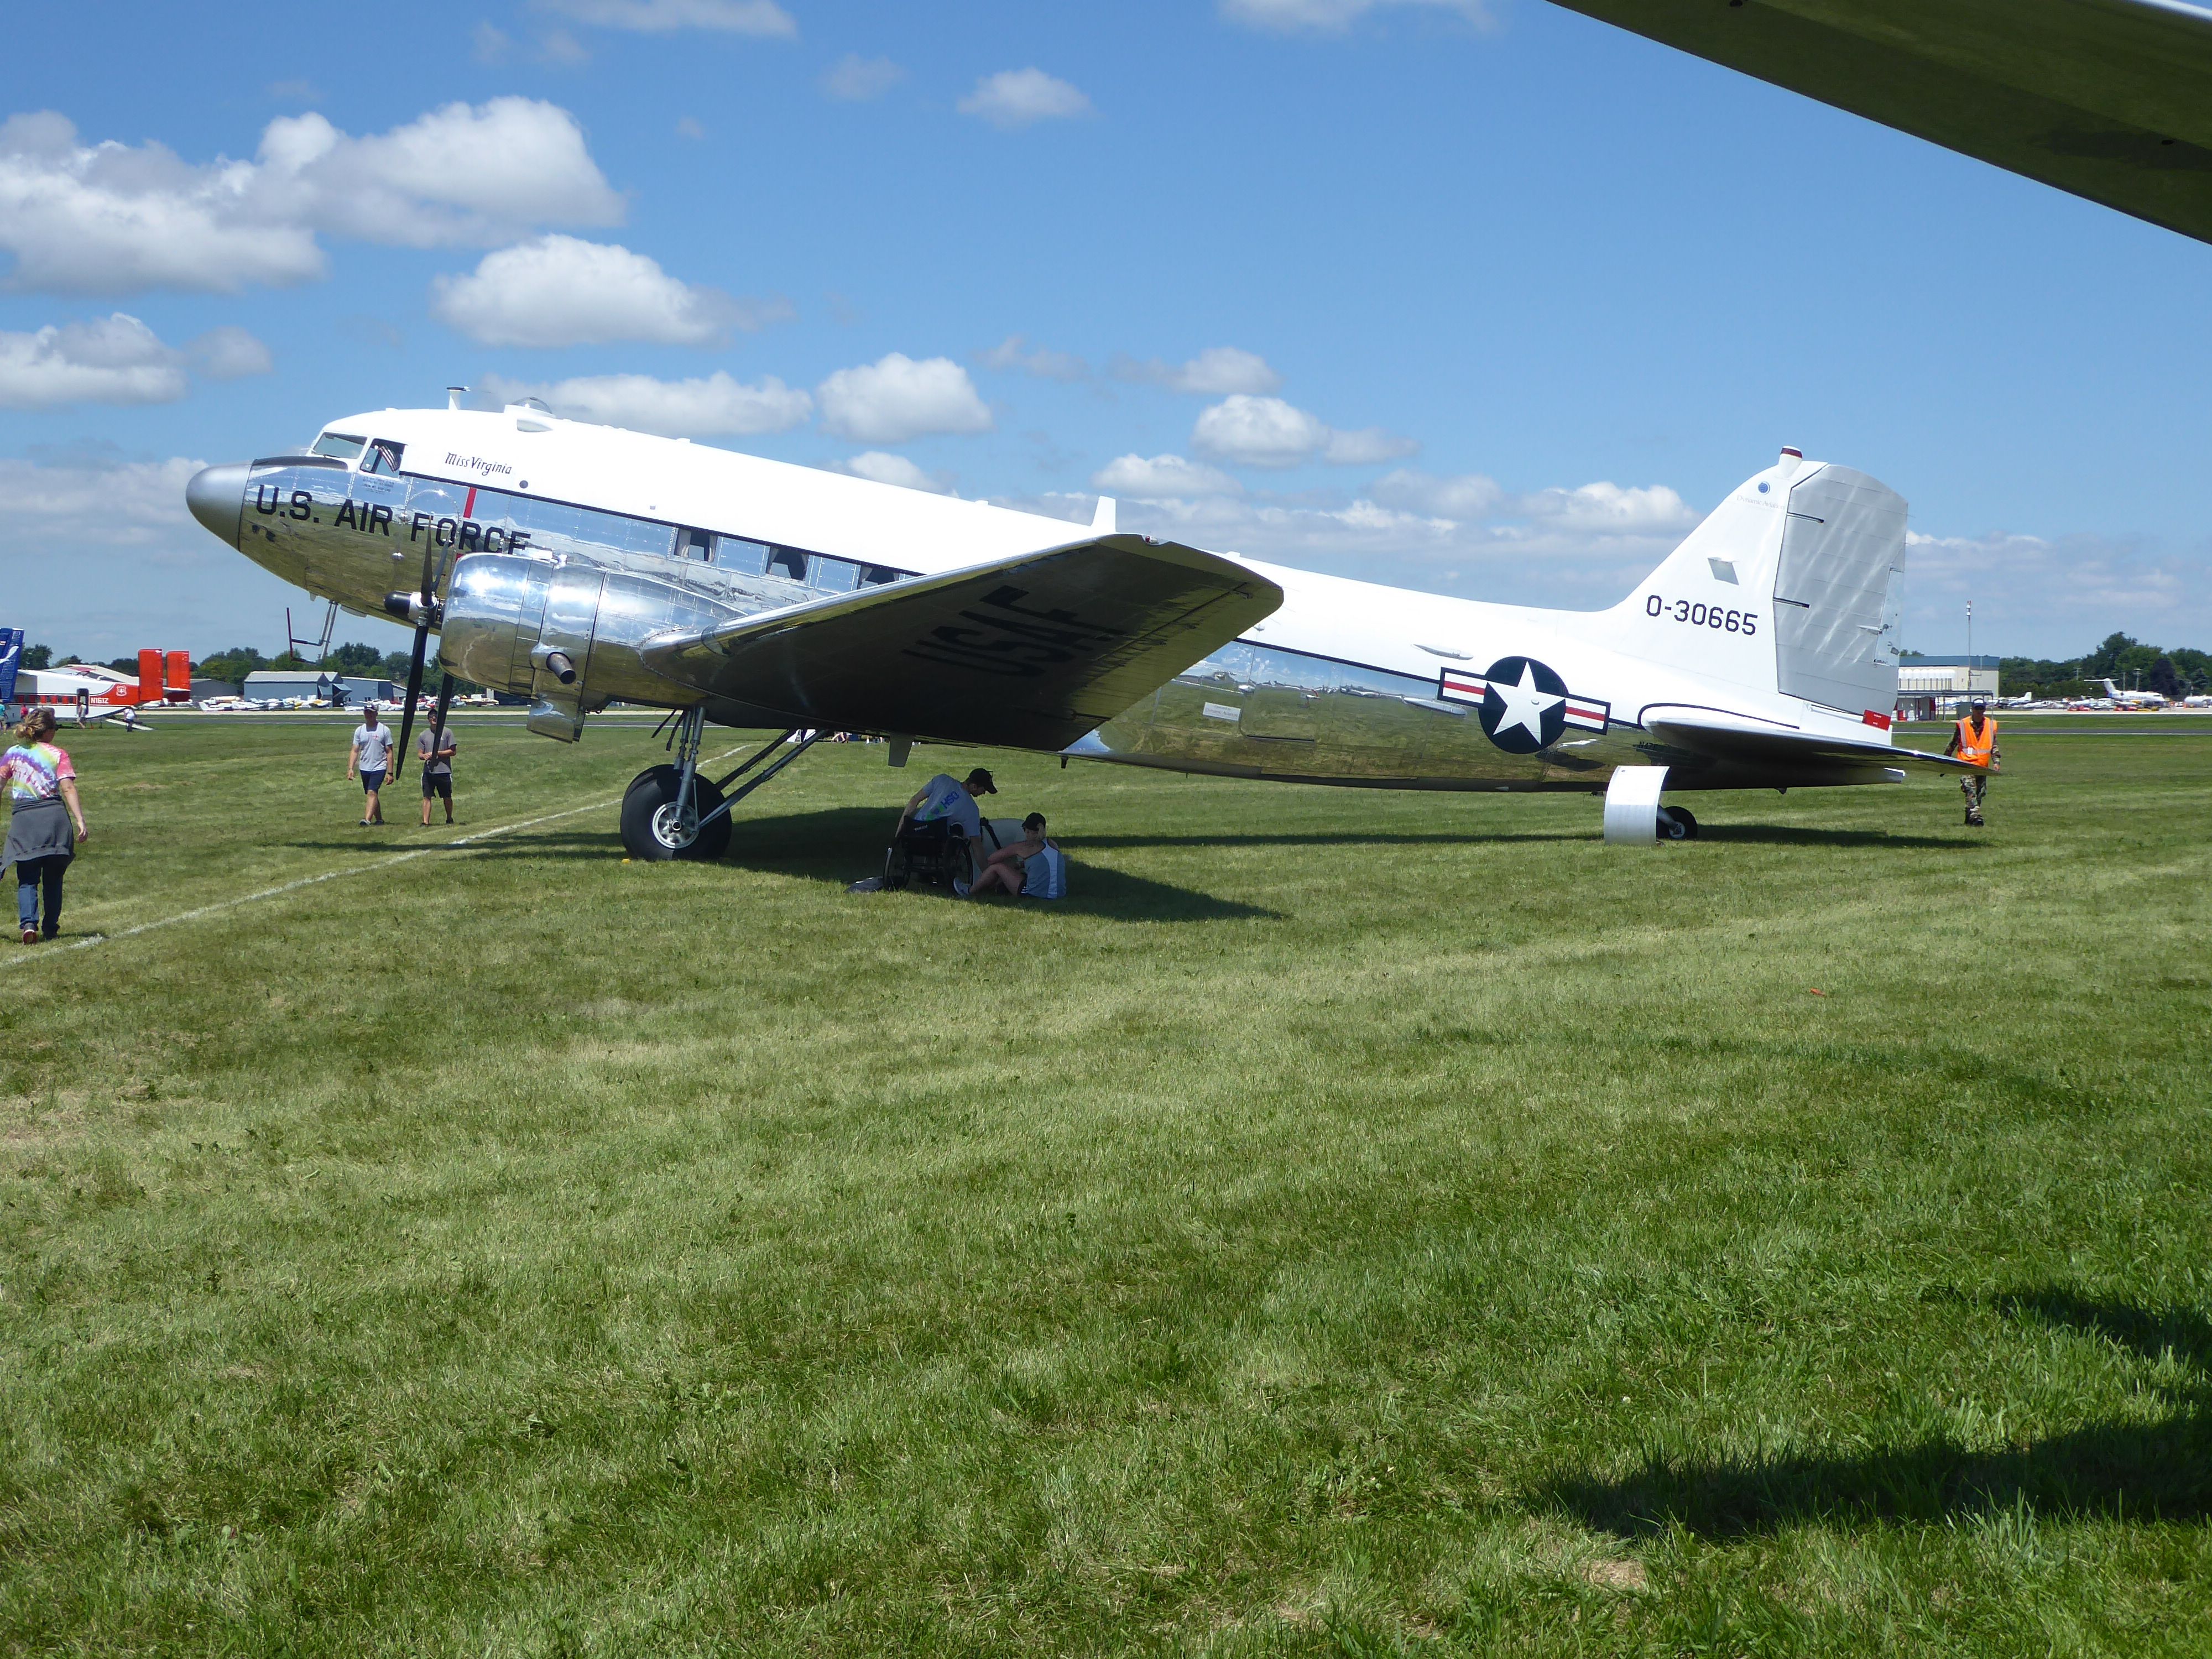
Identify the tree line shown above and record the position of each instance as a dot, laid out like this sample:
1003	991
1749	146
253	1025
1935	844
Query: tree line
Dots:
2169	671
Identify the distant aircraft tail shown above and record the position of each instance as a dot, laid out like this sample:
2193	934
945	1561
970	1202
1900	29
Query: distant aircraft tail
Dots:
11	661
1791	584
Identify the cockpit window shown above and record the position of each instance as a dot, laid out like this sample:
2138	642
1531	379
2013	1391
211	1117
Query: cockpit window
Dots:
383	456
338	445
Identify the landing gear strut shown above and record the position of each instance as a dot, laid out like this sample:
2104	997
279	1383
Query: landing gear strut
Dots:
670	811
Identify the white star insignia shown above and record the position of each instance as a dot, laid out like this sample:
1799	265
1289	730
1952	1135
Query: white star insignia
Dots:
1525	705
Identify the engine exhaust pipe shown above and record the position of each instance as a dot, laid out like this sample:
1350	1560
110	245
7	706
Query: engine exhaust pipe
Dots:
409	609
558	664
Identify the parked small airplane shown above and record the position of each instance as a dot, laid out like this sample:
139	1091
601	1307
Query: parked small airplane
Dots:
2120	699
580	564
93	691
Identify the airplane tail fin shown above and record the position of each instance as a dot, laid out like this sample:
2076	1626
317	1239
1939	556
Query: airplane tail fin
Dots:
149	675
179	676
1791	584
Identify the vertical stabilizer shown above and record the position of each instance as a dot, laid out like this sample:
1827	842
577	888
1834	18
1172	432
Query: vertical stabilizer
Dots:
1790	585
11	661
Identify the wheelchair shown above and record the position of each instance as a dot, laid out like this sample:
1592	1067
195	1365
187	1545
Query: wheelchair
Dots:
935	853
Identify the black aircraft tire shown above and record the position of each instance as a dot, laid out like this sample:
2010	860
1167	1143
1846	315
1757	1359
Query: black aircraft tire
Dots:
1675	824
1687	819
644	823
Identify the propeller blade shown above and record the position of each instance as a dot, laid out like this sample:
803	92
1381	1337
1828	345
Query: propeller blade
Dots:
414	690
415	663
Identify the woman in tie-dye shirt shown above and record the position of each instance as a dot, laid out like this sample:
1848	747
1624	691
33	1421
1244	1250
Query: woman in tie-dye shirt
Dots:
42	794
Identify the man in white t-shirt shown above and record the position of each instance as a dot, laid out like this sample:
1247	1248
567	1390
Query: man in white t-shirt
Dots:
369	759
943	798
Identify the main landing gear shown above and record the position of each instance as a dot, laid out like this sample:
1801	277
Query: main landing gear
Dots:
671	811
1633	816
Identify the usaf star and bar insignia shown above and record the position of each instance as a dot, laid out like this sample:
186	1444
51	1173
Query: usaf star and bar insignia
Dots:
1524	705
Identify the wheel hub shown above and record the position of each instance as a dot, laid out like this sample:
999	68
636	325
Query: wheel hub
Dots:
674	829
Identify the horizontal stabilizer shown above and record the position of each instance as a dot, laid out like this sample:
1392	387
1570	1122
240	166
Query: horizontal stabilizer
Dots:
1029	651
1761	746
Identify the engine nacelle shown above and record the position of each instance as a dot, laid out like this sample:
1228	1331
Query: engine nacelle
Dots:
566	632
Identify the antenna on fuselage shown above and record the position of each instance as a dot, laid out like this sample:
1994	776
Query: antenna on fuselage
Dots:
453	396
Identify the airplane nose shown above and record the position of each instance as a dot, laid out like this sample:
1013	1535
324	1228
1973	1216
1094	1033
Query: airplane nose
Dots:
217	495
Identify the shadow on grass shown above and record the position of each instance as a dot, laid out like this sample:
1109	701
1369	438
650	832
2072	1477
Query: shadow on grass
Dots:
2120	1471
1791	834
843	844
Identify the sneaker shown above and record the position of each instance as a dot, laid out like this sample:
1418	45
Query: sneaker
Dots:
30	934
959	889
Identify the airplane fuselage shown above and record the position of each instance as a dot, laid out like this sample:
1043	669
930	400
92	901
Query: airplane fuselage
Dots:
543	536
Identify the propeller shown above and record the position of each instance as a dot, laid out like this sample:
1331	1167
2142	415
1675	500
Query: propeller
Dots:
415	663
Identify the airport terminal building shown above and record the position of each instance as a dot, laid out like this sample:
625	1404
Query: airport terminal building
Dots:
1933	688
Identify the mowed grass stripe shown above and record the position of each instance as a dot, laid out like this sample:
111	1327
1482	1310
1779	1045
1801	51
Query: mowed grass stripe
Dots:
1349	1222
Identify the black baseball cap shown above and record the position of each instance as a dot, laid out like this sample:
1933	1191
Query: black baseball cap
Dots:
978	783
1980	703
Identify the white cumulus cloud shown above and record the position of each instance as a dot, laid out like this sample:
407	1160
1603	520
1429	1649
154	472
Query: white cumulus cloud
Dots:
1216	371
896	398
562	291
855	79
117	360
1608	509
1019	98
713	406
1253	431
761	18
127	505
1335	16
1162	477
879	466
1470	495
1016	354
111	218
228	353
112	360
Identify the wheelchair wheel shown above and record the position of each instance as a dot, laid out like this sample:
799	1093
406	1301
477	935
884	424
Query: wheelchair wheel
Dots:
898	868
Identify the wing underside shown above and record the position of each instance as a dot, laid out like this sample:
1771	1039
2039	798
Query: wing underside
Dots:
1029	652
2108	99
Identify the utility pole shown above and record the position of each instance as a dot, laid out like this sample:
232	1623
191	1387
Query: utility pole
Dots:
1970	649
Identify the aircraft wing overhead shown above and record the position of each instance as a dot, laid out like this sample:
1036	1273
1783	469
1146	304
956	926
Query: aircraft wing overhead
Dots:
1764	747
2109	99
1029	651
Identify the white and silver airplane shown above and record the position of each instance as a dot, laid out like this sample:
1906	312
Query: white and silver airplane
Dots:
582	564
2120	699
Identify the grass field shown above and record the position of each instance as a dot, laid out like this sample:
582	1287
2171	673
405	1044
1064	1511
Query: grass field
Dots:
1351	1223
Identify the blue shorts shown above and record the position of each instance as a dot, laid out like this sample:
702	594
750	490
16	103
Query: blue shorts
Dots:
371	781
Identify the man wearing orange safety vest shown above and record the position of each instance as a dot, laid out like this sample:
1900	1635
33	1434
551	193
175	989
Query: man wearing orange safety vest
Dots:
1975	739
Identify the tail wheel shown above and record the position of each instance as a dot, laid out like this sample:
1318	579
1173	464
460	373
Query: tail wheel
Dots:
1677	824
651	829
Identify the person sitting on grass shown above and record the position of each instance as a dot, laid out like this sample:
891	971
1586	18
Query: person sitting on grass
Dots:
1029	864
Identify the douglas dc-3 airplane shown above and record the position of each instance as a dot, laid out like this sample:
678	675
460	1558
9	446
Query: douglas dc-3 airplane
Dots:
580	564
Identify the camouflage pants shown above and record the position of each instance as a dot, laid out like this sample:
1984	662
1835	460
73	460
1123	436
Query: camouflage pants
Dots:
1973	788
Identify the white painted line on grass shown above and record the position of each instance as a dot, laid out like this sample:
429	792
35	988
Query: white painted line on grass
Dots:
459	844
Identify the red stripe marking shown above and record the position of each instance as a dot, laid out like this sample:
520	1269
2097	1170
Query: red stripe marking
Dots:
468	506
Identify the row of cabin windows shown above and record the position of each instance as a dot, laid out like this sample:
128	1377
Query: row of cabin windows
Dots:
557	526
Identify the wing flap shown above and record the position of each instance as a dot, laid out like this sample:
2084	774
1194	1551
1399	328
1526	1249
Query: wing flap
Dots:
1029	651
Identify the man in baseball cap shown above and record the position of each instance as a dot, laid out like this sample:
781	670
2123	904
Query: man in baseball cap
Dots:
943	798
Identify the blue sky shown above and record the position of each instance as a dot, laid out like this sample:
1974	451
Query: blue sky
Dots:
1487	300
